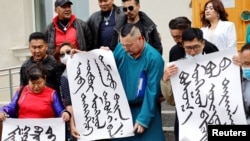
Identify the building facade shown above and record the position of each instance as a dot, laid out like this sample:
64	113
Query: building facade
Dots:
19	18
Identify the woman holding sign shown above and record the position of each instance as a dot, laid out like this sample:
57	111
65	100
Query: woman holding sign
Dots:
62	54
35	100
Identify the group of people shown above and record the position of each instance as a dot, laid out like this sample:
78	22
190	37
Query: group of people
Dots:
216	34
113	27
135	41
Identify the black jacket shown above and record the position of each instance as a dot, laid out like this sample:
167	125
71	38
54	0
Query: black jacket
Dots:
53	68
151	34
83	34
95	20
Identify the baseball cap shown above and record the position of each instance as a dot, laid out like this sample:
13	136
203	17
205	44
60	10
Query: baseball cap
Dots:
62	2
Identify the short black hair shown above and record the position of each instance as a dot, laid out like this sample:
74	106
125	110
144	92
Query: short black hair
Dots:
129	28
245	47
136	1
38	35
36	71
181	23
192	33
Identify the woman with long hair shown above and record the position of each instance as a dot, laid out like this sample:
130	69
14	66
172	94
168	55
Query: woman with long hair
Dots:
216	27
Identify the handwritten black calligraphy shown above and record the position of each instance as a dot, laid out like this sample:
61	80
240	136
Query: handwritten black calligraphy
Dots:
27	134
199	92
101	107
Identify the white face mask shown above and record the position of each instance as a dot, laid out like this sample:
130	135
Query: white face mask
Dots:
65	59
192	57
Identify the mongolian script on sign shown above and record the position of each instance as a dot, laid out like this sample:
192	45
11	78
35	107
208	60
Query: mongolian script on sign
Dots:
99	102
49	129
207	90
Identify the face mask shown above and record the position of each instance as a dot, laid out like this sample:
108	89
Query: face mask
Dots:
192	57
246	73
65	59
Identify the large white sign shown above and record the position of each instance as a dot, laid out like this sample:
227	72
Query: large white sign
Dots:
44	129
207	90
99	102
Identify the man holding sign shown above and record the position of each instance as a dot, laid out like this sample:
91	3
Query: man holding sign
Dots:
141	68
205	91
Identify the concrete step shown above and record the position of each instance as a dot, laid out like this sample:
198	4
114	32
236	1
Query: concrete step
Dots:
168	118
168	115
169	136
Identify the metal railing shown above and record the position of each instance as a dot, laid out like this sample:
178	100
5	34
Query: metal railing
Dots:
9	81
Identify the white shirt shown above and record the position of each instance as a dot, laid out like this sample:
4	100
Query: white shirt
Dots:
223	36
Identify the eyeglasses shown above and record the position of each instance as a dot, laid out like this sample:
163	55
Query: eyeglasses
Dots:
63	54
130	8
190	48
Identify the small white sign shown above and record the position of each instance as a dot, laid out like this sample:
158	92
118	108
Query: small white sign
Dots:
44	129
228	3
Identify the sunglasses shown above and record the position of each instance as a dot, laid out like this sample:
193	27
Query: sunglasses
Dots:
63	54
130	8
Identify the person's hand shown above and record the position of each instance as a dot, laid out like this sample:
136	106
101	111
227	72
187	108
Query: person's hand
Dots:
161	99
236	60
138	128
2	116
105	48
169	71
73	129
74	132
74	51
66	115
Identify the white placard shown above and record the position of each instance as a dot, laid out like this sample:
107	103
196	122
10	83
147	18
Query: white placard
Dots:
207	90
99	102
44	129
